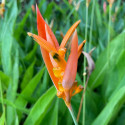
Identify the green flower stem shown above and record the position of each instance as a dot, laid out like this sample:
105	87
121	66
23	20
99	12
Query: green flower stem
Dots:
73	116
109	25
124	43
92	17
85	63
1	95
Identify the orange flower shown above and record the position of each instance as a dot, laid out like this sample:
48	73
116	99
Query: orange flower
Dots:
61	72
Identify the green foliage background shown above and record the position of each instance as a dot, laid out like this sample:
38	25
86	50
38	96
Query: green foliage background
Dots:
27	94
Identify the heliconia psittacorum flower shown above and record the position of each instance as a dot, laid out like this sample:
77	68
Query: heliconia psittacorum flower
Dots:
61	72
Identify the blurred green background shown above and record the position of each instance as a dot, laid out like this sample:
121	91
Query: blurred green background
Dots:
27	94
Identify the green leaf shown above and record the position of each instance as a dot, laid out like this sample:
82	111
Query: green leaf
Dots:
92	106
7	51
116	47
48	11
27	92
78	79
40	107
120	118
29	89
43	85
68	5
2	118
12	89
15	75
41	3
21	25
45	82
116	78
52	114
98	14
31	55
4	79
111	108
9	103
27	76
7	38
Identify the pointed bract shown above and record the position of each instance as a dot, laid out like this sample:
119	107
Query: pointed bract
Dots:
41	28
69	33
71	67
42	42
49	37
49	66
41	32
80	47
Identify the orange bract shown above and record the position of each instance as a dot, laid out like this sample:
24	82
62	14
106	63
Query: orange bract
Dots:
69	33
80	47
61	72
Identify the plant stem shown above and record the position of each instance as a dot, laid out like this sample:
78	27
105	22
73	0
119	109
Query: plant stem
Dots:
92	17
1	95
73	116
84	79
109	25
124	43
80	107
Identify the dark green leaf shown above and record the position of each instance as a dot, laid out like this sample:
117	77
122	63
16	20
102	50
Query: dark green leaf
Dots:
40	107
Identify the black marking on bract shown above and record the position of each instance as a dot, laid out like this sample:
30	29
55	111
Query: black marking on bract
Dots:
83	46
56	56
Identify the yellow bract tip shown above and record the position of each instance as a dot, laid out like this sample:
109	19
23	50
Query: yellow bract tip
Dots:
30	34
79	21
84	41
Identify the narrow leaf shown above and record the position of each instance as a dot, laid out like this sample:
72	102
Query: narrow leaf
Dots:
111	108
40	106
21	101
116	48
27	76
